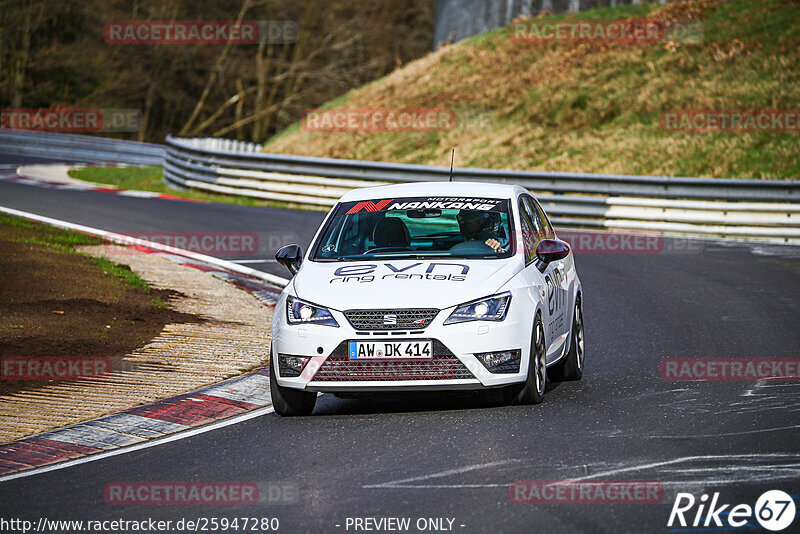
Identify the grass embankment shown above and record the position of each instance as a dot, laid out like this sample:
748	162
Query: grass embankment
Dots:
592	107
55	301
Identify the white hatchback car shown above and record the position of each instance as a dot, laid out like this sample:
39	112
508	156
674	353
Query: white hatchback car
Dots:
428	286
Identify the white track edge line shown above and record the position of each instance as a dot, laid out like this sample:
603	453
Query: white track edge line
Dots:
258	412
129	240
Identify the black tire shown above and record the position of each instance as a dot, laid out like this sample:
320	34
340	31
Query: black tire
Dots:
571	367
532	391
289	402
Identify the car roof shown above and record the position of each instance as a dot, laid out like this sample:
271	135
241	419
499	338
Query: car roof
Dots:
448	189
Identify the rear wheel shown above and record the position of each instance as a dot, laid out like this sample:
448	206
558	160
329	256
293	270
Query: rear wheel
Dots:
532	391
287	401
571	367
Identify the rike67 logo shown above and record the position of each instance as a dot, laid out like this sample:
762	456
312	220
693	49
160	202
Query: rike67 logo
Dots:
774	510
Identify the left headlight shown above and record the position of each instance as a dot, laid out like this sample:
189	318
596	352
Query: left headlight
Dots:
301	312
492	308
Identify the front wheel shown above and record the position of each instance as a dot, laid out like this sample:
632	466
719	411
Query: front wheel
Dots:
287	401
532	391
571	367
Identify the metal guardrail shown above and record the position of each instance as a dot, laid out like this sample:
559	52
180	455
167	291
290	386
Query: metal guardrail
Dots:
74	147
754	209
751	209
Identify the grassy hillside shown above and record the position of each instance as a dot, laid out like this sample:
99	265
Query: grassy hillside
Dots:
593	107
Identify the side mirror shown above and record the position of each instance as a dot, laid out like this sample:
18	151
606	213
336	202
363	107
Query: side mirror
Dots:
290	256
549	250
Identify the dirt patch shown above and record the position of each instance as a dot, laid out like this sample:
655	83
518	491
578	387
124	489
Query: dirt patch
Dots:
55	302
180	330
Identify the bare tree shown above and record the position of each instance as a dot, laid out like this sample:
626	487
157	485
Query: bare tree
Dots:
54	53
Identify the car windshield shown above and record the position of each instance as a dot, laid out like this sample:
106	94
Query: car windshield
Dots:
417	227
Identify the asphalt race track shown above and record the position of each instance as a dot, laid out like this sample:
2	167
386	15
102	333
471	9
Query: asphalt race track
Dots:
454	458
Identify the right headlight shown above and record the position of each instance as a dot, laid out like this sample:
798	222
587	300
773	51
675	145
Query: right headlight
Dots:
492	308
301	312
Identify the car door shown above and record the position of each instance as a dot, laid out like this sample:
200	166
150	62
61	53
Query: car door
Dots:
568	272
553	278
534	279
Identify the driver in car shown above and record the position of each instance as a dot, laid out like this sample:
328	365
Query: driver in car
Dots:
483	226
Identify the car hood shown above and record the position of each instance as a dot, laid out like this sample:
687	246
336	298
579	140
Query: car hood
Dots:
401	283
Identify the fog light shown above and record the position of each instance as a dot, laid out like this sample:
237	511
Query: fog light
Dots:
506	361
291	366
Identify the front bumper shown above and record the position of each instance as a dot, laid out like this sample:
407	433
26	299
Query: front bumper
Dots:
453	366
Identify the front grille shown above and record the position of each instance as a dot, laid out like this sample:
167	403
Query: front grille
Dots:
404	319
442	366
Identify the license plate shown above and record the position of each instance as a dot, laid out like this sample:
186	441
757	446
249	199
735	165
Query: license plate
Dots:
395	350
